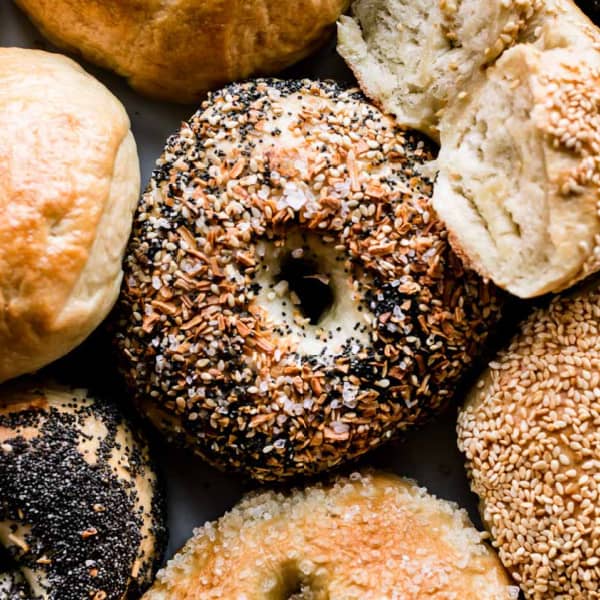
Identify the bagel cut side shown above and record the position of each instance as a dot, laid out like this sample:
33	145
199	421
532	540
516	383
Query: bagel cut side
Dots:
509	89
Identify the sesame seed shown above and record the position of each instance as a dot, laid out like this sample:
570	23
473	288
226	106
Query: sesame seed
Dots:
538	486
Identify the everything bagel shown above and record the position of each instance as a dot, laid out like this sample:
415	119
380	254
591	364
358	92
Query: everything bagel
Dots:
290	299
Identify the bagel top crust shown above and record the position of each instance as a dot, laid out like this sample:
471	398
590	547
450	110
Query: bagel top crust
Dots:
530	431
177	50
69	183
260	162
366	537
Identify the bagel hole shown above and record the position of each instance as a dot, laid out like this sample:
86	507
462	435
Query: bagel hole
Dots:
301	592
309	284
300	586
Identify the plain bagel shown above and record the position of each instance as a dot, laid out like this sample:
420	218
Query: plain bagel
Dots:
69	182
178	51
366	537
290	299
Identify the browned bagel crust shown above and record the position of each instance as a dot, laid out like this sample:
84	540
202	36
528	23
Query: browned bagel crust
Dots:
366	537
208	359
178	51
69	183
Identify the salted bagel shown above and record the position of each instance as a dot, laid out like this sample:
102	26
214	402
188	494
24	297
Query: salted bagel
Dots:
81	512
509	89
530	431
178	51
290	300
366	537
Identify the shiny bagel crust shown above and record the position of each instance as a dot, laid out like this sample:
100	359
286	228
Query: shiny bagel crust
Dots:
69	181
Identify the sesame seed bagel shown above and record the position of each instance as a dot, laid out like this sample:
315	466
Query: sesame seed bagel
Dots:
531	434
510	90
366	537
290	298
81	515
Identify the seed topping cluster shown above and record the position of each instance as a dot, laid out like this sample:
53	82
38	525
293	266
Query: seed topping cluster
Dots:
261	162
80	512
522	11
572	122
531	435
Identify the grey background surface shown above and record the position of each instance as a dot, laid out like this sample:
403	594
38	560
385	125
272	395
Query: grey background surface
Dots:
196	492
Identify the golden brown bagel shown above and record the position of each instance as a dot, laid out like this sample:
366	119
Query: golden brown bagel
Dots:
179	50
367	537
69	181
531	435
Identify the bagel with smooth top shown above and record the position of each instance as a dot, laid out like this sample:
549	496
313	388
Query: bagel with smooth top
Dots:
69	182
178	51
290	299
366	537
